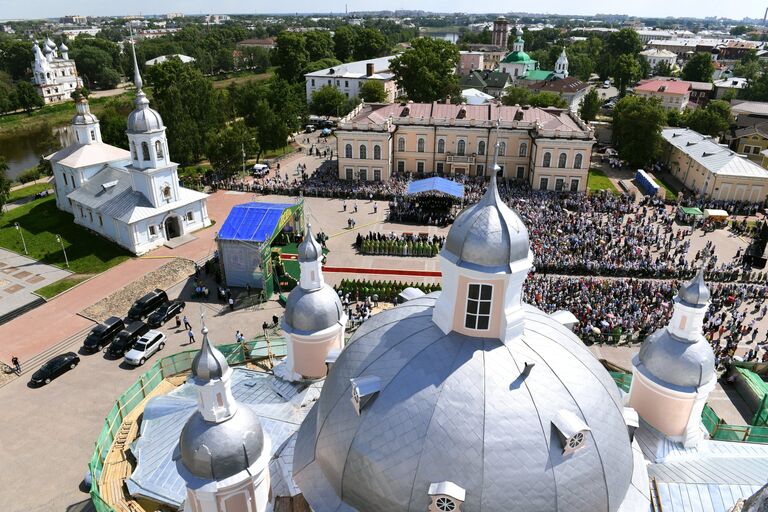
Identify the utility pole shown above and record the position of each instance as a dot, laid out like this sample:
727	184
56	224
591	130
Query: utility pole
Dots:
23	243
66	260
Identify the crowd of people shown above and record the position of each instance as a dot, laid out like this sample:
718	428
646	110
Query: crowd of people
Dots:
426	210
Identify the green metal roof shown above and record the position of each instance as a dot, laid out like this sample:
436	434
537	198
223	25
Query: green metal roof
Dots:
538	74
517	57
691	211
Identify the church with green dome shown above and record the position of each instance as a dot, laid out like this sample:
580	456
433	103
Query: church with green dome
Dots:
518	63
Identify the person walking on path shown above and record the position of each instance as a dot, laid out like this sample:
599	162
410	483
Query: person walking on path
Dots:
16	365
187	325
231	304
191	335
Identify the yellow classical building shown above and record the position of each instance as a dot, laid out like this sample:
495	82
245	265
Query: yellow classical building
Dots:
712	170
550	148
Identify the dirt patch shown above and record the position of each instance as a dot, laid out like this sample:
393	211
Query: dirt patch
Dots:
118	303
5	378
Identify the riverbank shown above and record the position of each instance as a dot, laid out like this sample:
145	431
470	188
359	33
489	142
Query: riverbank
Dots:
54	116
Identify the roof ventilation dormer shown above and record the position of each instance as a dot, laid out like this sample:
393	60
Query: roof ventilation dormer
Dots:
446	497
571	431
364	389
462	111
519	115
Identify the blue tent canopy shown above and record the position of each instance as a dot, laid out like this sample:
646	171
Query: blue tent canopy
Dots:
436	185
252	222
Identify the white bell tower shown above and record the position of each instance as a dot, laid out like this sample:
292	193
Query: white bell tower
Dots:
561	66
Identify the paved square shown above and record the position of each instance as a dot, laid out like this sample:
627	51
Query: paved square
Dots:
24	276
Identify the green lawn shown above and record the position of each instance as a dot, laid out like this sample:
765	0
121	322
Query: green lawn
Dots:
669	191
41	221
598	180
60	286
27	191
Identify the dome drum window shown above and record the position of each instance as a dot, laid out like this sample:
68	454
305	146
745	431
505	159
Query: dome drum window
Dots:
364	389
571	431
446	497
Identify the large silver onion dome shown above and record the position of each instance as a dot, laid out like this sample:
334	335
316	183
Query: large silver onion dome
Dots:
676	361
216	451
309	311
84	115
144	119
487	236
462	409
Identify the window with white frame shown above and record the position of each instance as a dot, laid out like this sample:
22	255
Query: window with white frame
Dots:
574	185
559	184
348	151
349	173
439	167
377	152
364	174
502	148
523	149
401	144
190	216
152	230
478	315
420	166
544	183
441	146
400	166
363	152
547	161
377	175
577	161
520	172
461	147
480	170
420	145
481	147
562	160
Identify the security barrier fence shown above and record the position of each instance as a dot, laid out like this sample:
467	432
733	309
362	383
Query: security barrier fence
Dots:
236	353
718	429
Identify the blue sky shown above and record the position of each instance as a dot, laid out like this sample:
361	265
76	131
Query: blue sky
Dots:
699	8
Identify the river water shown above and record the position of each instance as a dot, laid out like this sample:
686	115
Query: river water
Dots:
22	149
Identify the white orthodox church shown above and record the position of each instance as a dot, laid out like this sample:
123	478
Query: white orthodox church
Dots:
130	197
54	77
464	400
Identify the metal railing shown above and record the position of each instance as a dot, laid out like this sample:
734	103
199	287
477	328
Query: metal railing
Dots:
236	353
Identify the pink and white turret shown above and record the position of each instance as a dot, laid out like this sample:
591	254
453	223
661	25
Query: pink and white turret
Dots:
314	321
675	370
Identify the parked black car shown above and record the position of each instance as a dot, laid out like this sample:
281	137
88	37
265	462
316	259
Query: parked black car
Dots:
165	313
103	334
143	307
55	367
126	338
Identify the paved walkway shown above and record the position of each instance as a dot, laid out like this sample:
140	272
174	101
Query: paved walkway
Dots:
20	276
49	324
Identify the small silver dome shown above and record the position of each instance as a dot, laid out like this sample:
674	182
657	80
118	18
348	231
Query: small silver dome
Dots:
487	236
308	311
209	363
84	115
676	361
144	119
63	47
216	451
309	249
695	292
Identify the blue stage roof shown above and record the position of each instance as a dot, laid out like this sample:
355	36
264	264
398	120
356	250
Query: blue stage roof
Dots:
252	222
437	185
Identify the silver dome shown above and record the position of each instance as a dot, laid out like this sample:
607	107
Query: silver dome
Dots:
309	249
209	363
460	409
308	311
674	361
487	236
144	119
84	115
216	451
695	292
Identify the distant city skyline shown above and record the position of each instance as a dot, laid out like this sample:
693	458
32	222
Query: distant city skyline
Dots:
15	9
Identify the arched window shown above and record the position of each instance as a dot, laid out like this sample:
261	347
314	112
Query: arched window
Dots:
133	151
502	148
461	147
420	146
481	147
93	134
377	152
441	146
547	159
577	161
561	161
363	152
159	149
401	144
523	149
348	151
167	192
145	151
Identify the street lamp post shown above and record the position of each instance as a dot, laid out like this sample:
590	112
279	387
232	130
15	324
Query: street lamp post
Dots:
66	260
18	228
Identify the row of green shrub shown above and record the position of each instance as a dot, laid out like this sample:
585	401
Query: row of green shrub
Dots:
399	248
385	290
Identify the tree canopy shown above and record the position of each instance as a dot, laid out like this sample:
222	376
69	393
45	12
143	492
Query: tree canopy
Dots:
637	123
5	184
699	68
291	56
426	70
626	70
372	91
590	105
329	101
522	96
